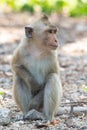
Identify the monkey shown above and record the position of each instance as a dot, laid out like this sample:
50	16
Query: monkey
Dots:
36	73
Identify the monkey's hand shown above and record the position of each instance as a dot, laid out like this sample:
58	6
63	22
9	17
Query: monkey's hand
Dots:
37	101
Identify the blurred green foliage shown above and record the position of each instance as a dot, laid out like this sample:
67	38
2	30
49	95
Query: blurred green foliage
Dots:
70	7
2	93
84	87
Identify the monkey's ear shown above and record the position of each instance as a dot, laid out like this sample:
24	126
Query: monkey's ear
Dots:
44	17
28	31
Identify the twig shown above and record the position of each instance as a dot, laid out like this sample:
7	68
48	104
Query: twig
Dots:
6	75
74	103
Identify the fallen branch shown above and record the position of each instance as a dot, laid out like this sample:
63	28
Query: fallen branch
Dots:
67	110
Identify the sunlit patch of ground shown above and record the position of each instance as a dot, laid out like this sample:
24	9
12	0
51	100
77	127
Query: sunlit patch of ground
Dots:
77	48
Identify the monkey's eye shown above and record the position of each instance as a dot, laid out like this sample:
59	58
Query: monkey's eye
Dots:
55	30
30	31
50	31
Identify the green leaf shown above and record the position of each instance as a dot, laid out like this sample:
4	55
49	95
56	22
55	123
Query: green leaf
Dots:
2	93
84	87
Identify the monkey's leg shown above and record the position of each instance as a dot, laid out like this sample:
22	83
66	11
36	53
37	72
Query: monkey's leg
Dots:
22	94
23	73
36	100
52	96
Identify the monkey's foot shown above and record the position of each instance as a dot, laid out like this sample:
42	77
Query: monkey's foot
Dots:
34	115
53	122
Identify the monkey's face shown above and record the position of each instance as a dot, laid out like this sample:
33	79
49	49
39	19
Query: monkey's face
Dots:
50	38
45	38
43	33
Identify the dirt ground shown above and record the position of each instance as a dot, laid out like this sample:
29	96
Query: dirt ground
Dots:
72	37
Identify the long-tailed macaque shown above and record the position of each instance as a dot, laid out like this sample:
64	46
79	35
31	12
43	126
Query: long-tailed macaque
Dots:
35	68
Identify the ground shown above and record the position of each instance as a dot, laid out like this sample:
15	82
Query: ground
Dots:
73	66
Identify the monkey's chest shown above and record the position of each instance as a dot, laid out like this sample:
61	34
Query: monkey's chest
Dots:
39	70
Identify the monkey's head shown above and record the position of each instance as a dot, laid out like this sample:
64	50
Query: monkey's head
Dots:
43	32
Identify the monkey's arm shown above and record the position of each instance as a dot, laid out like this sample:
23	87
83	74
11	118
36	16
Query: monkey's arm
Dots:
52	95
37	100
22	72
20	69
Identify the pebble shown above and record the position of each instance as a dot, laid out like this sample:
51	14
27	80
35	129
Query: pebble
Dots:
4	116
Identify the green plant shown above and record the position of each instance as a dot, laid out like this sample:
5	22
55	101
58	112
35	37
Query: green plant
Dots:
71	7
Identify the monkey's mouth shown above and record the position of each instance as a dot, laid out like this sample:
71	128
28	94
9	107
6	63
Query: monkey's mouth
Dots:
53	47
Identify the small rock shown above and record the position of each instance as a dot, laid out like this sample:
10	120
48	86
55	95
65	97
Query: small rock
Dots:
18	124
84	128
4	116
